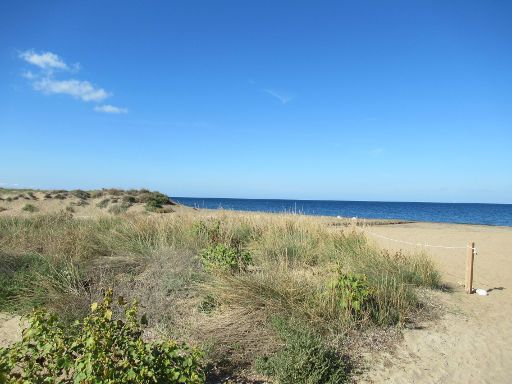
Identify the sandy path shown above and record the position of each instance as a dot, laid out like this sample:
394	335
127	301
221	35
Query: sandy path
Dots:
472	343
10	330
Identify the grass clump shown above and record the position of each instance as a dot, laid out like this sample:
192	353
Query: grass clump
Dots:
30	280
304	358
103	203
120	208
98	349
30	208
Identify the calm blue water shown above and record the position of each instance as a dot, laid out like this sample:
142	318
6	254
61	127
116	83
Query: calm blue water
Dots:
489	214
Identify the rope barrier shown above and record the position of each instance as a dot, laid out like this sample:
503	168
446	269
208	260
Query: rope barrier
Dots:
415	244
483	281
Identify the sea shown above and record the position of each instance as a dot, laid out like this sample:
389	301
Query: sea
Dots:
462	213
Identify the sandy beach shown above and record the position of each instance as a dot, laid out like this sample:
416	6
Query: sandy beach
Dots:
472	342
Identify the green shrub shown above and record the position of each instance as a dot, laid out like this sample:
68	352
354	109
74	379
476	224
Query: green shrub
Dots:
98	349
225	258
69	208
304	358
153	200
354	292
30	208
103	203
3	209
129	199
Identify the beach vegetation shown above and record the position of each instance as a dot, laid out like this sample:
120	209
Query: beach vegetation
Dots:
285	295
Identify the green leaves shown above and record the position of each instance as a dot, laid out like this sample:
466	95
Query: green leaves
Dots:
354	292
225	258
98	349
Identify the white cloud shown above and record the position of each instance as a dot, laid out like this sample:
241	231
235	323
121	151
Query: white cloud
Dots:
45	80
45	60
282	97
83	90
107	108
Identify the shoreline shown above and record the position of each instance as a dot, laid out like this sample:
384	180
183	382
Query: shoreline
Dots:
382	221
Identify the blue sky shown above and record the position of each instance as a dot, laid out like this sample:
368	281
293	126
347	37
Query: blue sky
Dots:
344	100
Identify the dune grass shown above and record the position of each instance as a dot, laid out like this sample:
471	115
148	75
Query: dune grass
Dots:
293	270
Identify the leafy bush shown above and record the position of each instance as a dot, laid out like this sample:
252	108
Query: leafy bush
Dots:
354	292
153	200
30	208
3	209
69	208
304	358
226	258
97	349
129	199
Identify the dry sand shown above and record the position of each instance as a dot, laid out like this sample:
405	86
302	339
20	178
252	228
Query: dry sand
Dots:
10	331
472	342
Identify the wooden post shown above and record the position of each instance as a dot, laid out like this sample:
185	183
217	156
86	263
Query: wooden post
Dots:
470	257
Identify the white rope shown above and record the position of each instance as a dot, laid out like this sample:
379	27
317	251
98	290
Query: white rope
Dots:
415	244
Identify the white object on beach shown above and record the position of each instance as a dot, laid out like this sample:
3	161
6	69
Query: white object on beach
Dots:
481	292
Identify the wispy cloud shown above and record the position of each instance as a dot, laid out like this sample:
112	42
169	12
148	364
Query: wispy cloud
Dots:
281	96
78	89
44	80
45	60
107	108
